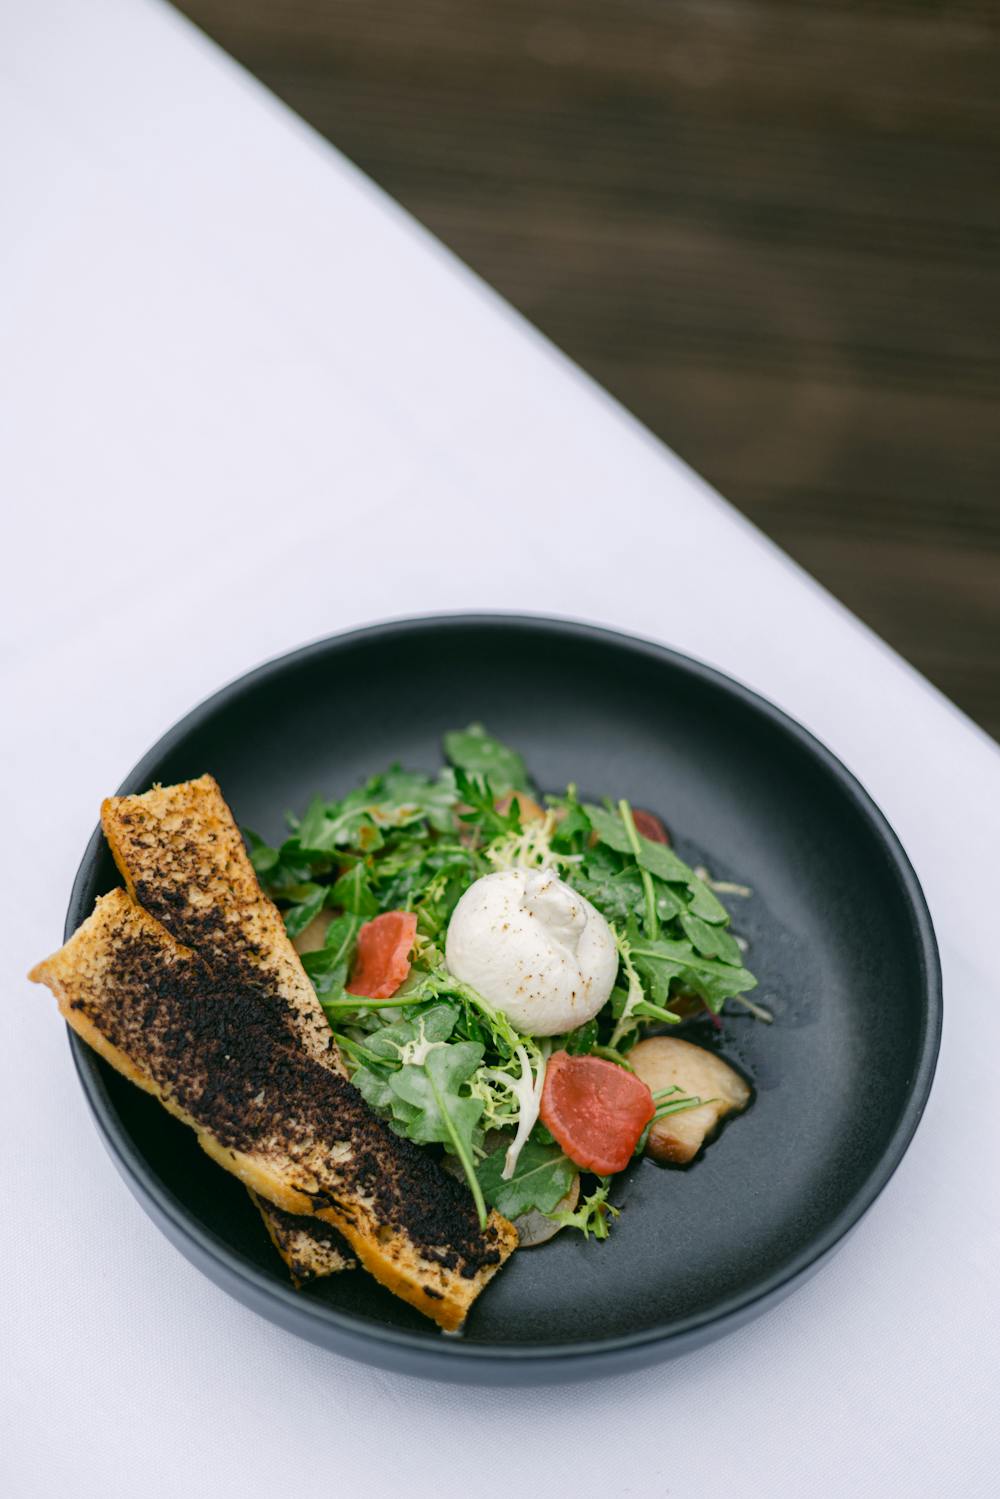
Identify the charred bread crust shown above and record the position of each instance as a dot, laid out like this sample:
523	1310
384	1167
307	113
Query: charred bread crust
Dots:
309	1248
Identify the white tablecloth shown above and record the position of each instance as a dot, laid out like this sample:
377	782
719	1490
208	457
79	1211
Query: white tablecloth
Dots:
246	401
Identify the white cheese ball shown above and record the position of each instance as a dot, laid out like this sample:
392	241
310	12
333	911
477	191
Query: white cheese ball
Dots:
533	948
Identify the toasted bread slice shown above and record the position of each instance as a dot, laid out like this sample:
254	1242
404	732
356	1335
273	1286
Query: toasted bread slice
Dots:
309	1248
182	857
224	1057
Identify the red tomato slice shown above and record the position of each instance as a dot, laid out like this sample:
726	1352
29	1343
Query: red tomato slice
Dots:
595	1110
650	826
383	957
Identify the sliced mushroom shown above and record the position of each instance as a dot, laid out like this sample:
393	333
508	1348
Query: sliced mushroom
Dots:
667	1062
312	937
536	1228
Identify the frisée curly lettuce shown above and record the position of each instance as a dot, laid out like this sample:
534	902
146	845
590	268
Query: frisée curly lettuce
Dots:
613	925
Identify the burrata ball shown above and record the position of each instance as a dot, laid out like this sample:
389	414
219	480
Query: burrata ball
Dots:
533	948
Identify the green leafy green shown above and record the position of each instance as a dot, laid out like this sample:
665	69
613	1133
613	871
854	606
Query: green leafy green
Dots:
308	906
617	894
591	1217
478	753
262	856
393	1042
353	893
328	826
395	799
659	963
573	827
707	905
479	796
283	870
582	1040
657	858
631	1005
613	884
541	1179
330	965
400	798
609	827
432	1087
711	941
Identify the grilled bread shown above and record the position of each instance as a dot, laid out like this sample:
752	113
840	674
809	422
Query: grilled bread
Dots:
182	858
309	1248
221	1054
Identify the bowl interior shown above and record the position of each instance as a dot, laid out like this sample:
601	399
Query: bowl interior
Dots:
838	938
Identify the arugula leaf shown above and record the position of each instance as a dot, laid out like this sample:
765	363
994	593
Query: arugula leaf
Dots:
664	863
432	1088
715	986
707	905
444	1115
312	898
446	879
630	1005
609	828
374	1089
618	892
657	858
662	961
262	856
502	1035
395	799
657	971
582	1040
668	906
476	752
542	1177
283	869
711	941
616	895
328	826
413	1075
574	824
430	1026
401	791
329	966
708	962
426	877
478	795
353	893
314	830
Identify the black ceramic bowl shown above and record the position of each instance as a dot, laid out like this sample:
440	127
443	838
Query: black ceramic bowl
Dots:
839	936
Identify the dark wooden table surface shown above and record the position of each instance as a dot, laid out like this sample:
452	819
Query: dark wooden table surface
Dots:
770	227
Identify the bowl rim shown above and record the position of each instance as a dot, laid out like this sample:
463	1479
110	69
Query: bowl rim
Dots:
262	1287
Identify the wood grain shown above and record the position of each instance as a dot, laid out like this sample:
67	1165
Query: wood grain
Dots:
770	227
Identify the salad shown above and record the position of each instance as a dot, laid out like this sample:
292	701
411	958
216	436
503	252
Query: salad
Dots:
491	960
